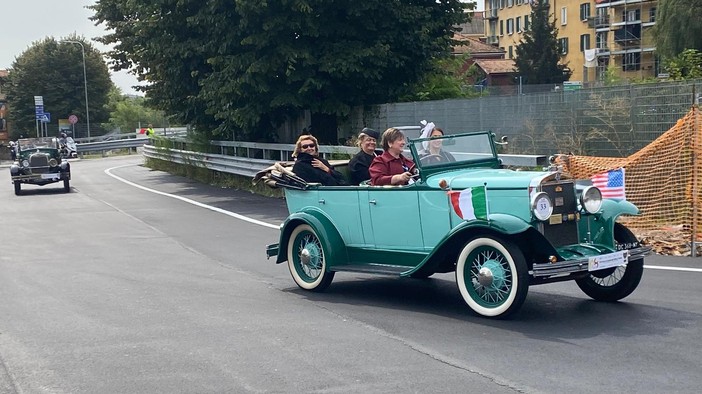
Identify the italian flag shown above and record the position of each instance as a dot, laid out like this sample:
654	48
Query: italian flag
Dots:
469	203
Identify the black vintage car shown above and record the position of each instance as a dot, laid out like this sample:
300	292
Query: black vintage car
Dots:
39	162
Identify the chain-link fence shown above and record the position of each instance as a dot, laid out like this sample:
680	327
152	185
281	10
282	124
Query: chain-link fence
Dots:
607	121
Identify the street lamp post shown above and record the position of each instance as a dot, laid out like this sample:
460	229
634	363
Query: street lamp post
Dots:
85	82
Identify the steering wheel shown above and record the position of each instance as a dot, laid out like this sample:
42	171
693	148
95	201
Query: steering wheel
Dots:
431	158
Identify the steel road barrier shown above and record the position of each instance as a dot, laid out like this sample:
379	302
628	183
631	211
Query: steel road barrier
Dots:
247	166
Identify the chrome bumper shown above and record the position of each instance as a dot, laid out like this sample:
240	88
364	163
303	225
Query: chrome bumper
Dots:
579	265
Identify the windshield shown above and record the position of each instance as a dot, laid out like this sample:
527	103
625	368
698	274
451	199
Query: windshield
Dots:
457	148
34	143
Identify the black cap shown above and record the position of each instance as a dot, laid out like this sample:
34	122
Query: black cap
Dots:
370	132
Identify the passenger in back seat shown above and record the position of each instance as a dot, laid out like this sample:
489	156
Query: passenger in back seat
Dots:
358	166
312	168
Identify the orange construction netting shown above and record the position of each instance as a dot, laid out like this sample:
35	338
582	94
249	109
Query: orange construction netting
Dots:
662	179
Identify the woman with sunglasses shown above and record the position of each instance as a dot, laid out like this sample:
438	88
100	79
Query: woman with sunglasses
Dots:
391	168
312	168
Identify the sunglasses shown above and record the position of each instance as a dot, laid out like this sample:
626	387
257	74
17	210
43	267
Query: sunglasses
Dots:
306	146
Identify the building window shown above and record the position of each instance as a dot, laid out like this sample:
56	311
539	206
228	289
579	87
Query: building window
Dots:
510	26
520	2
631	61
584	11
526	22
631	15
564	15
519	24
563	44
652	14
510	3
601	40
502	28
510	52
584	42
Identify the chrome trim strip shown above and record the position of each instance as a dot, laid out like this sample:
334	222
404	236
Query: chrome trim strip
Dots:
579	265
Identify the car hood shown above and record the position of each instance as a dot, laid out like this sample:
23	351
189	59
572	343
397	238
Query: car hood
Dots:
494	178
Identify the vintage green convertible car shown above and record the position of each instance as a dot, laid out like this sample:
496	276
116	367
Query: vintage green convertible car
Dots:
39	162
500	230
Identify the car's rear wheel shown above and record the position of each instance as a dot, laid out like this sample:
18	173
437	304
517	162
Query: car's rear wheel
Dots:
67	185
613	284
492	276
18	187
307	259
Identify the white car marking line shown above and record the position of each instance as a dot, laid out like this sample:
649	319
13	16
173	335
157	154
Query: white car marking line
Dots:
189	201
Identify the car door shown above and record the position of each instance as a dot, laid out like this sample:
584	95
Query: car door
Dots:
394	219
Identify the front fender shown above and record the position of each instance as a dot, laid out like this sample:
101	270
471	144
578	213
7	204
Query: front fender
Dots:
446	251
333	244
599	228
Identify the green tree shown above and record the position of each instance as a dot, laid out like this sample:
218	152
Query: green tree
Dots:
449	79
249	65
130	113
686	65
678	26
54	70
539	54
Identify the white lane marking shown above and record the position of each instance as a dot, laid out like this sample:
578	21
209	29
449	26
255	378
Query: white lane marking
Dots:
189	201
658	267
260	223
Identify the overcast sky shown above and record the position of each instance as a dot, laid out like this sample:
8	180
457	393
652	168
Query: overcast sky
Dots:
27	21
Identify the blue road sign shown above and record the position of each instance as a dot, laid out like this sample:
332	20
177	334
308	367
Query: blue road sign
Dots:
46	117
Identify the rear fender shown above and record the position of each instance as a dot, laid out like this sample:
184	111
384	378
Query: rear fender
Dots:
333	244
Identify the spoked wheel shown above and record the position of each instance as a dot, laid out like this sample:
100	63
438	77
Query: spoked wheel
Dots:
613	284
18	187
307	259
492	276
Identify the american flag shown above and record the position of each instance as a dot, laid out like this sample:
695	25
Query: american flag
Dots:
610	183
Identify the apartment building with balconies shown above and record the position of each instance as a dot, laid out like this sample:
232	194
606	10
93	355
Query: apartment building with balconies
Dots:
624	37
506	21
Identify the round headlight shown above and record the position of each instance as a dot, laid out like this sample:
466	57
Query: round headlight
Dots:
25	163
591	199
541	206
53	162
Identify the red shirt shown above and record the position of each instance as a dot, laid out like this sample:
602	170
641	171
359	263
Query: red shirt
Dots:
383	167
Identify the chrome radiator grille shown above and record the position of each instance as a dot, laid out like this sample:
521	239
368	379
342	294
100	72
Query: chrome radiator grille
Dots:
562	228
39	162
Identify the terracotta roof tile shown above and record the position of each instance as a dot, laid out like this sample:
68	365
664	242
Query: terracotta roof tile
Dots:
496	66
475	47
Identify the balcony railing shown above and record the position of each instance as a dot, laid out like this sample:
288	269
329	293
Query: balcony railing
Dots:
491	14
492	40
598	21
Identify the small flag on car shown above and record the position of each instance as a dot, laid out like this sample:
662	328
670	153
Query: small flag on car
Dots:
469	203
611	183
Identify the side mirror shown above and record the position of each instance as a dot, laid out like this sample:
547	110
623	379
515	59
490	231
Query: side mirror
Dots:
503	141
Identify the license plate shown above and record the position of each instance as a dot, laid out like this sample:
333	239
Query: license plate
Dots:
50	176
608	260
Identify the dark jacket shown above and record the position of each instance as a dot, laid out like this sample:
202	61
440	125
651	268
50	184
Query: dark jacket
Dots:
358	167
304	169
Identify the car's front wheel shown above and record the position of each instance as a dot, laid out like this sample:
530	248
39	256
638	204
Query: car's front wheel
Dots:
613	284
307	259
492	276
18	187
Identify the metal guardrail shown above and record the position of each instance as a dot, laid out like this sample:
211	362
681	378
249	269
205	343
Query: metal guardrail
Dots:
110	145
244	166
247	166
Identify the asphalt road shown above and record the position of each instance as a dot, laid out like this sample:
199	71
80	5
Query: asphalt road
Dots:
115	288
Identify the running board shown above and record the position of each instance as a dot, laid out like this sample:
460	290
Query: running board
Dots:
378	269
